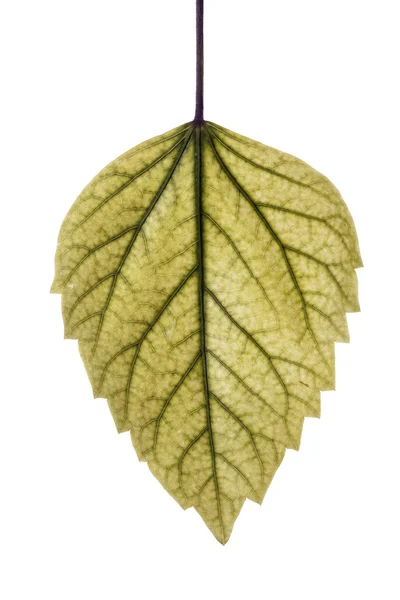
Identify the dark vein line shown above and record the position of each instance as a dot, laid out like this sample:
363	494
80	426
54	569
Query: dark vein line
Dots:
137	231
267	169
244	384
128	383
228	499
95	249
80	246
202	315
311	408
89	291
159	314
242	475
134	151
270	359
195	410
127	183
271	441
253	340
171	258
203	486
310	218
168	400
328	318
246	429
256	279
96	314
139	342
322	264
282	247
112	359
182	222
185	452
187	337
301	366
142	148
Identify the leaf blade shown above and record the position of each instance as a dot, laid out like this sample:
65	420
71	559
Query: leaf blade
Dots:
207	277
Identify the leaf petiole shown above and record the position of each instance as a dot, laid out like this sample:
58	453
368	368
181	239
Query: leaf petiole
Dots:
199	115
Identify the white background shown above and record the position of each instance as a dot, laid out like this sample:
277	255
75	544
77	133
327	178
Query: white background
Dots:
83	81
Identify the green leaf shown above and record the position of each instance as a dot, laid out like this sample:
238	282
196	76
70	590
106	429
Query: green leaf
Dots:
206	277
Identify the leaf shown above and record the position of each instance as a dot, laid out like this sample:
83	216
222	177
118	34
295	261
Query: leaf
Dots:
206	277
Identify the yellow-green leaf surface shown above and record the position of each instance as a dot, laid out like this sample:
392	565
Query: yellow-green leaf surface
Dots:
207	277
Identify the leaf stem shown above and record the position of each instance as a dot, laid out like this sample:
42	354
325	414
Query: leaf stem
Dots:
199	115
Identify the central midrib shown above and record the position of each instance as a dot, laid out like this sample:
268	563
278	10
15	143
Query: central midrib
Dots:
202	309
